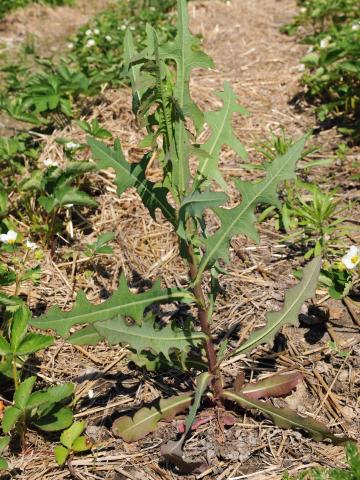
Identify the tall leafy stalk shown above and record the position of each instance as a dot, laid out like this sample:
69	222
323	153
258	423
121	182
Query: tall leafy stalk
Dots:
160	78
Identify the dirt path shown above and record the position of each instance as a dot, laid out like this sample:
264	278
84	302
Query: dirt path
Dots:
261	63
49	26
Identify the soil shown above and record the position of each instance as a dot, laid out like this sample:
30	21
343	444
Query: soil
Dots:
263	66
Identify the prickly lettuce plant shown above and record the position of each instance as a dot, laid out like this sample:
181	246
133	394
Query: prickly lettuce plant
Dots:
160	77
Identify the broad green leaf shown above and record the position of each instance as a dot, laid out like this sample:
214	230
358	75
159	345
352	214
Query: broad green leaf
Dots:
61	454
221	134
274	386
5	347
147	337
23	392
11	416
202	383
50	395
33	342
3	464
82	444
57	419
193	205
294	299
240	219
286	418
121	302
4	442
86	336
146	419
69	435
10	300
128	175
19	326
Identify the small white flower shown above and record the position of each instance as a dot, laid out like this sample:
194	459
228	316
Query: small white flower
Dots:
108	38
9	238
88	32
31	245
91	394
69	205
49	162
325	42
91	42
152	9
72	145
70	45
123	27
96	31
132	28
355	26
303	10
352	258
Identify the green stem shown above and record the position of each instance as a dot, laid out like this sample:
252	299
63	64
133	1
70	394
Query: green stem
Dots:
15	373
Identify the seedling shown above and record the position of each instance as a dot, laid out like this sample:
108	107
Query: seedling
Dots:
94	129
72	442
100	247
160	77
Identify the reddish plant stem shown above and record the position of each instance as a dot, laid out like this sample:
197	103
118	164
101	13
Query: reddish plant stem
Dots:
203	317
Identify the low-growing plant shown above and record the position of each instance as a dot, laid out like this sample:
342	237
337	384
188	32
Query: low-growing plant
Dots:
160	78
43	408
9	5
315	219
97	48
332	70
72	442
100	247
321	473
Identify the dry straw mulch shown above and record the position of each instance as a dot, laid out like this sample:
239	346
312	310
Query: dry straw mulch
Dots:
243	38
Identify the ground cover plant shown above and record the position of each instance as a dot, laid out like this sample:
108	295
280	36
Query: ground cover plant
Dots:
352	473
160	76
332	69
9	5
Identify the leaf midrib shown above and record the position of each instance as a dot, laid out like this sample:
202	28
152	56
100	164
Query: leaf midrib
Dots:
209	253
273	413
211	150
116	165
75	318
271	327
158	413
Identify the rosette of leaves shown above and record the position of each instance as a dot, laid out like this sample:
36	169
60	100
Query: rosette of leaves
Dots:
160	78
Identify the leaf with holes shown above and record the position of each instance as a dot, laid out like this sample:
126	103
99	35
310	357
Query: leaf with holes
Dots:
121	302
148	337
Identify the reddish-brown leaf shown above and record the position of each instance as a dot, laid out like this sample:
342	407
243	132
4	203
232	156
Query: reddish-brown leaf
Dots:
274	386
